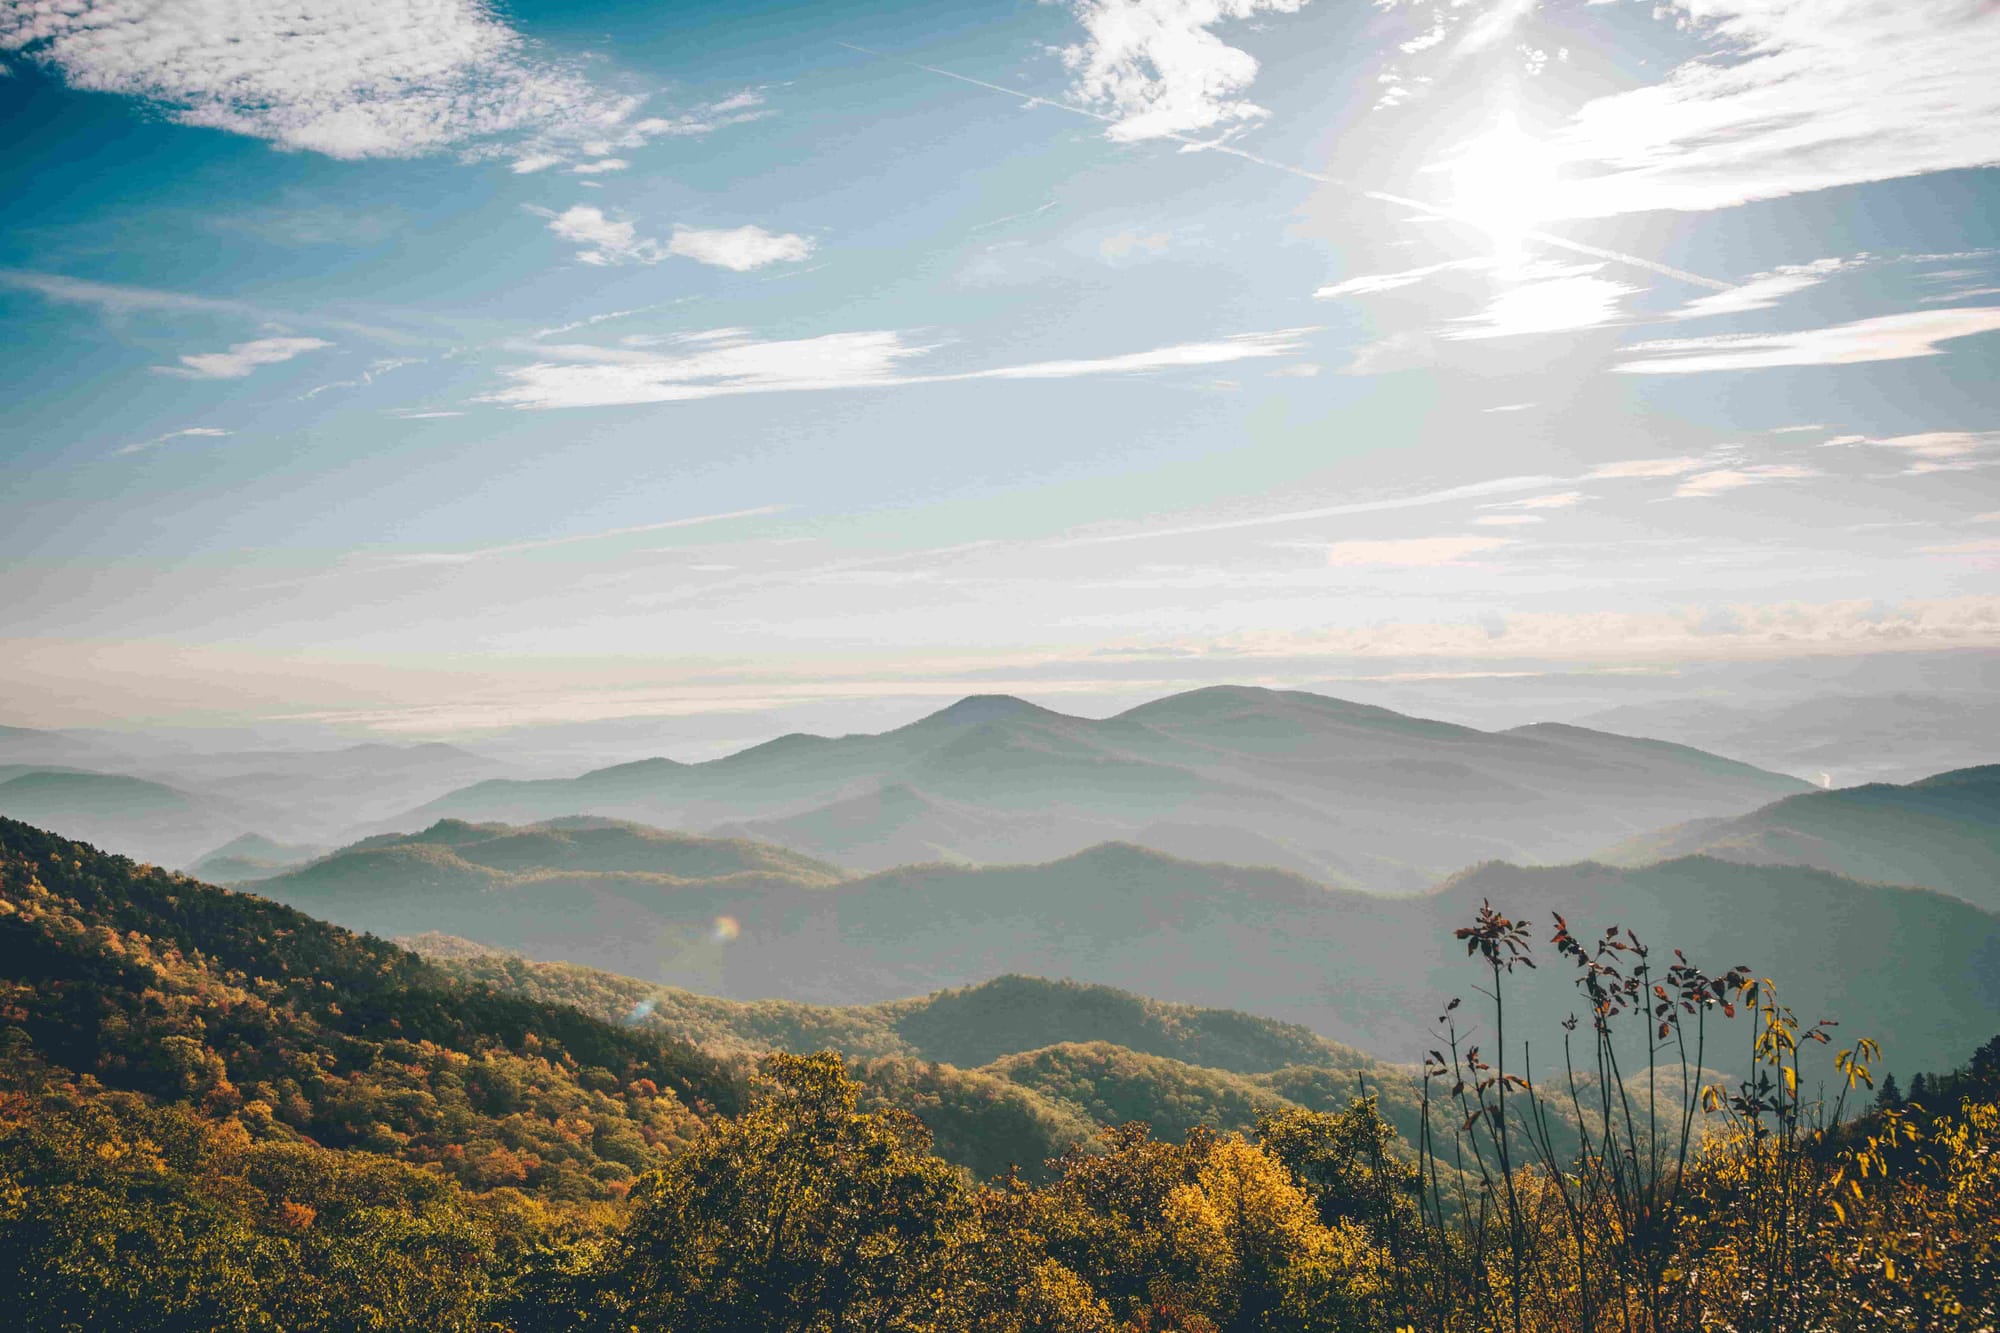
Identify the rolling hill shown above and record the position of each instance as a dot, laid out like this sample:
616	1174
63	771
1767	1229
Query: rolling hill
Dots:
1916	965
1942	832
251	856
1343	792
151	820
1010	1072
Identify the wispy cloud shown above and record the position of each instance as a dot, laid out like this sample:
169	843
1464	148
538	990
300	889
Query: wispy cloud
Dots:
1800	95
1155	68
1554	500
118	300
1703	484
1982	546
1763	291
242	358
1932	451
1471	491
365	378
204	432
1883	338
1646	467
729	361
1546	298
1412	552
545	543
1368	284
607	241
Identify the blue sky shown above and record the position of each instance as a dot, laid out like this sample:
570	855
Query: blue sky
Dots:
424	367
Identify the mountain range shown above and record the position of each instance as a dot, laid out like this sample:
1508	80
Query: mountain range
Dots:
1942	832
1345	793
173	805
746	921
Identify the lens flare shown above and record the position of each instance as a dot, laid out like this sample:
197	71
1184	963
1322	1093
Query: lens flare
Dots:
726	929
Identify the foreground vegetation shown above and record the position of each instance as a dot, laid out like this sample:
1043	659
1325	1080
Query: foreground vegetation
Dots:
216	1113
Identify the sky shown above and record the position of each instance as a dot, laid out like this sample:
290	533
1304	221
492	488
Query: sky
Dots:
421	368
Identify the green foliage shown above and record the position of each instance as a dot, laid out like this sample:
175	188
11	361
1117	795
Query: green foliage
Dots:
217	1114
127	977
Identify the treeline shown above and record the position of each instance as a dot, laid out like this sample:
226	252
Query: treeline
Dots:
217	1114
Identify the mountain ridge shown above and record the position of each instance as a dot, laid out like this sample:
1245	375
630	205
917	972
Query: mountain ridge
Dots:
1349	792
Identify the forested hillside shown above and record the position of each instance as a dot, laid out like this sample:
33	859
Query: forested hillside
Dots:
219	1114
1942	832
1349	965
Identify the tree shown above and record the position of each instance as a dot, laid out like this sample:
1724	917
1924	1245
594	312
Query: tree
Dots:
1889	1097
804	1215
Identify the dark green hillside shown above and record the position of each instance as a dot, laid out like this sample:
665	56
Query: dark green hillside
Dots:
137	979
1942	833
1008	1073
1354	967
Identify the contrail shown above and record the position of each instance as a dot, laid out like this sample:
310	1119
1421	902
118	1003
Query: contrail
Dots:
1305	173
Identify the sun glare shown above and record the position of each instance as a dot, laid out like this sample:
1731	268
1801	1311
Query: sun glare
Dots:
1502	182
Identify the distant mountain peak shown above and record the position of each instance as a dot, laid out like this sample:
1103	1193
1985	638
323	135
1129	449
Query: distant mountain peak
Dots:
978	709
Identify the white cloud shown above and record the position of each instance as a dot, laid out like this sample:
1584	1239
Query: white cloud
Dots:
1559	500
242	358
1646	467
1506	520
1370	283
1982	546
1703	484
1883	338
599	167
728	361
1157	70
348	78
192	431
1933	451
739	249
736	109
367	377
1761	292
1242	347
1550	298
604	240
607	241
1298	370
1411	552
1800	95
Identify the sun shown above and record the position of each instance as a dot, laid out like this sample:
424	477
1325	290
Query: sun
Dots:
1504	182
